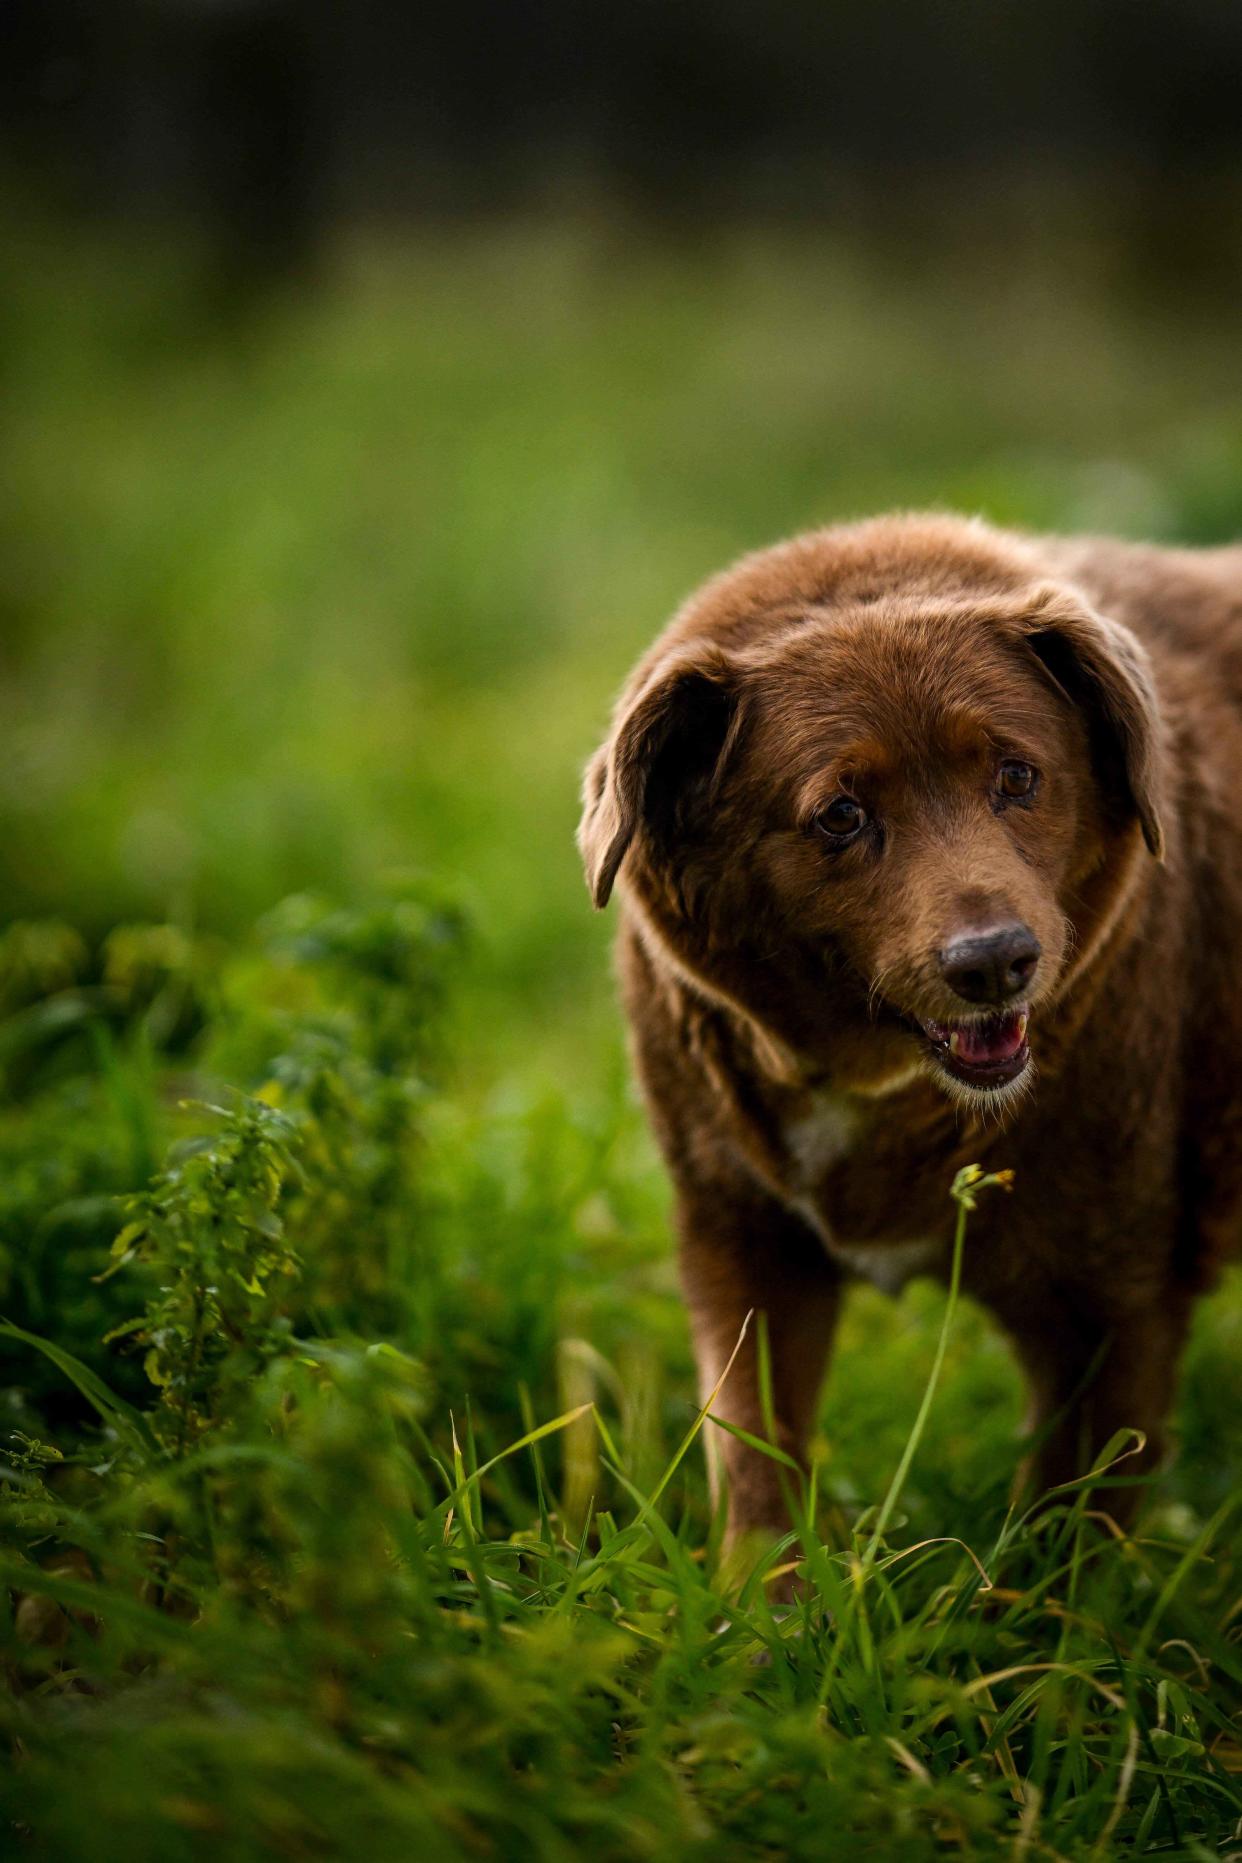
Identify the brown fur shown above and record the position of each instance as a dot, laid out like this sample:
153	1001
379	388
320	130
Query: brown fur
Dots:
774	984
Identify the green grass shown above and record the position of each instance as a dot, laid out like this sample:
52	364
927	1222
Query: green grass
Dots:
296	610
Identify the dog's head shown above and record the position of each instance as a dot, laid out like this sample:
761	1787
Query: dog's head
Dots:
880	803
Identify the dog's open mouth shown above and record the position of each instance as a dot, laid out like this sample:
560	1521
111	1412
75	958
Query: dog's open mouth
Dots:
989	1052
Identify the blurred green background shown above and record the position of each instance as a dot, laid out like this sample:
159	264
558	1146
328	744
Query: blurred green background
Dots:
375	382
347	586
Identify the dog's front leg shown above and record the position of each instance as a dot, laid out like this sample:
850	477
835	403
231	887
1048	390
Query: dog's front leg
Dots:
1090	1378
742	1252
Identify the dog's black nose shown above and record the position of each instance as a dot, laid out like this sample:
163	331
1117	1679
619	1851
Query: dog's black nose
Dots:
991	967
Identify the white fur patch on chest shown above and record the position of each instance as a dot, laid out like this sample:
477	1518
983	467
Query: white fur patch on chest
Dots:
820	1139
815	1143
887	1265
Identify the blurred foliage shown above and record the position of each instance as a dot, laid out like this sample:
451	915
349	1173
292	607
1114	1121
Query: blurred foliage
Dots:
347	587
311	1211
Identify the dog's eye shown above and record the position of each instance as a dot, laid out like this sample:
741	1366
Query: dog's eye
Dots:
841	819
1015	779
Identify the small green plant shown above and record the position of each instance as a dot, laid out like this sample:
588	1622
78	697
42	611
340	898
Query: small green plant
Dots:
211	1233
28	1509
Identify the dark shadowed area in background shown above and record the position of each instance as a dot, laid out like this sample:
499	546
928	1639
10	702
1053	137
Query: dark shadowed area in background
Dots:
275	118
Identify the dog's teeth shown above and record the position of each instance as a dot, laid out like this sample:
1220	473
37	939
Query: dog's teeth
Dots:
955	1042
1022	1022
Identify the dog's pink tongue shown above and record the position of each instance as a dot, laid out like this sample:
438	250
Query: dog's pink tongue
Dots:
997	1040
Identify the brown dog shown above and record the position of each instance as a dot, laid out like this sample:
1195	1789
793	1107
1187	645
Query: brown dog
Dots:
931	846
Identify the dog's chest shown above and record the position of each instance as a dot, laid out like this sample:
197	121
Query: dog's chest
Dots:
820	1139
835	1167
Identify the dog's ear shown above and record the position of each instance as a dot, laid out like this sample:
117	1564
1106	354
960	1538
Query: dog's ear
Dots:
1103	667
659	766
